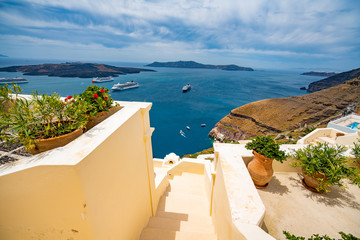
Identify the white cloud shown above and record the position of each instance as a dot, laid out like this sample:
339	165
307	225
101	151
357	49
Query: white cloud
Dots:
324	28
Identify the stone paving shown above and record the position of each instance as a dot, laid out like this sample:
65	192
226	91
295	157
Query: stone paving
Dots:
291	207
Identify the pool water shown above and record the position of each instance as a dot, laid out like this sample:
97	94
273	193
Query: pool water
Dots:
354	125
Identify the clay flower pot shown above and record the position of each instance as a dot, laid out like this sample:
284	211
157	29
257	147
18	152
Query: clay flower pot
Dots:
42	145
311	183
101	116
260	169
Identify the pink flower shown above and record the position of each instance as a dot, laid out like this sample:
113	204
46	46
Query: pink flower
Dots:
102	90
95	96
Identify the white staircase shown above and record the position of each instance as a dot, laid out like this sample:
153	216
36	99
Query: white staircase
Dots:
183	212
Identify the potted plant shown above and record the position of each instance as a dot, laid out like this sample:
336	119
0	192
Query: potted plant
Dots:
324	166
100	104
265	150
43	122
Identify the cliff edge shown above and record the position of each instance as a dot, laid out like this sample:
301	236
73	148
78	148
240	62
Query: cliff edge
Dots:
333	80
274	116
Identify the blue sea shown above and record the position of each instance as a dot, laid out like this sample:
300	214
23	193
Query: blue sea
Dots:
213	95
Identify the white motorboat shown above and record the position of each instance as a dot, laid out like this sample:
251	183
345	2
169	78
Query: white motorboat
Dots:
186	88
16	80
187	127
102	79
124	86
182	133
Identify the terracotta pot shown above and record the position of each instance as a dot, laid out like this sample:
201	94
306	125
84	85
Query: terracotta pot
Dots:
312	183
101	116
42	145
260	169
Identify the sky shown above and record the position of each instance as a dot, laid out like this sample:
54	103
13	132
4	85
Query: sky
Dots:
278	34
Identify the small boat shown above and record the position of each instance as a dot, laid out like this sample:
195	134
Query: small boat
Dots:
186	88
187	127
124	86
182	133
16	80
203	125
102	79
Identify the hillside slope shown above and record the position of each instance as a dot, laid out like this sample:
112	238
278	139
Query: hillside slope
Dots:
273	116
333	80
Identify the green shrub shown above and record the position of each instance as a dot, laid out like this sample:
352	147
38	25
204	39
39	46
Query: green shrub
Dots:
356	150
267	147
42	117
330	161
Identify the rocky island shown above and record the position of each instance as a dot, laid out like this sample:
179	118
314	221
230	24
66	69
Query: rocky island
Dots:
192	64
319	73
279	115
81	70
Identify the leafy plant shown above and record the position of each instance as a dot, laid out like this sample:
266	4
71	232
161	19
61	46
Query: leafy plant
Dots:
309	129
6	100
267	147
97	98
42	117
356	150
322	158
343	235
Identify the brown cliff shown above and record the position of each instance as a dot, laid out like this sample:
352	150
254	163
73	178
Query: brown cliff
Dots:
273	116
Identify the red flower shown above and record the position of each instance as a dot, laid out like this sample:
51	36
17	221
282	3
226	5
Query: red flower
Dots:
106	98
93	81
95	96
102	90
69	97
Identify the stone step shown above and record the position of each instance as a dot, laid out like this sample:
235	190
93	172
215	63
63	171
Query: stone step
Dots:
187	196
184	217
160	234
178	225
184	204
186	188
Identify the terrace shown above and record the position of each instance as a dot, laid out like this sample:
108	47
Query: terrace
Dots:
347	124
106	185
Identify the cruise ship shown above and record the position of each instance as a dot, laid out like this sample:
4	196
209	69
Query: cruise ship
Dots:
102	79
16	80
124	86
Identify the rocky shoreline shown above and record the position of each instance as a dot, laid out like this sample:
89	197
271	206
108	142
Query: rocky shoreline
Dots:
278	115
333	80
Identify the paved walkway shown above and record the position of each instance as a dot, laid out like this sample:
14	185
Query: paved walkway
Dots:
291	207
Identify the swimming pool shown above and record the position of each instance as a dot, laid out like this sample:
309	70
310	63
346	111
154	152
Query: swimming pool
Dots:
354	125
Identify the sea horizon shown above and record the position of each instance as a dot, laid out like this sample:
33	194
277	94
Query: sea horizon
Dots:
213	95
